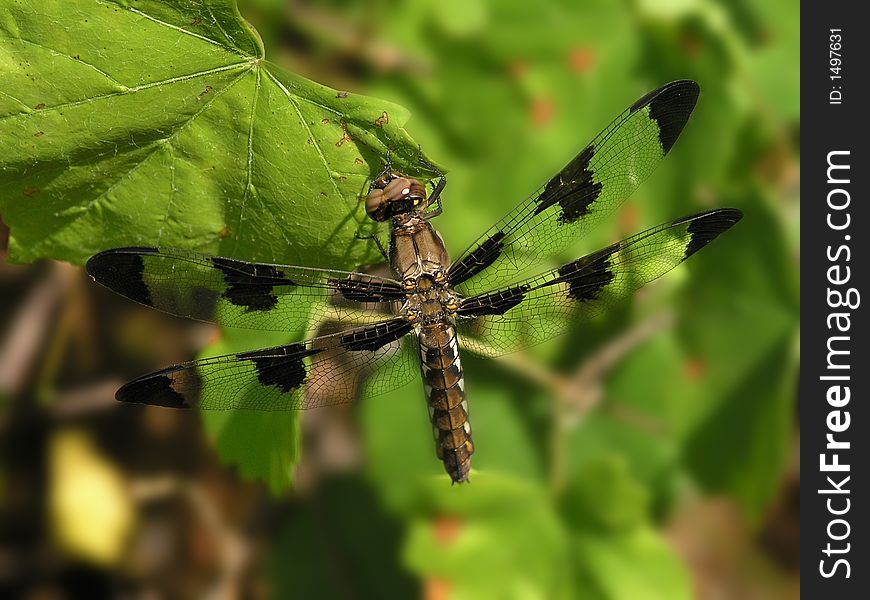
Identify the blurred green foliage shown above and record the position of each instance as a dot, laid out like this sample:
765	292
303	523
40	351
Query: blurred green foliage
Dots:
568	493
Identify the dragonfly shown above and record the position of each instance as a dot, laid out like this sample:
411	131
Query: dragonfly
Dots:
415	322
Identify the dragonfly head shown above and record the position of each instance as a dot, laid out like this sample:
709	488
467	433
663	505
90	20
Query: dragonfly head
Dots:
394	194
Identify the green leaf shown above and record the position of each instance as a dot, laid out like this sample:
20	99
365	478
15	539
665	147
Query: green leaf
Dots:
498	537
742	447
773	67
637	565
265	445
161	123
740	322
606	477
501	441
616	553
656	381
398	442
460	18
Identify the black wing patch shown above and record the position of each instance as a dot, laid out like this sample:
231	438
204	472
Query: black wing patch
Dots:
670	107
283	369
377	336
704	231
477	260
365	289
587	276
496	303
327	370
582	194
237	293
543	307
123	272
250	285
573	189
159	388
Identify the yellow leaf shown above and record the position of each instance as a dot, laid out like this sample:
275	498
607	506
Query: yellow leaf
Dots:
91	510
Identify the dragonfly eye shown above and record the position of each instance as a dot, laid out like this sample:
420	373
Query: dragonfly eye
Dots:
376	205
382	181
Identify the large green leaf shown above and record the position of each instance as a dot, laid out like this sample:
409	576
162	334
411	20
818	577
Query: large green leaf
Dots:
496	538
605	476
637	565
143	123
264	446
398	442
746	345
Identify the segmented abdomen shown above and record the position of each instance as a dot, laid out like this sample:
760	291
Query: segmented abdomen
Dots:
445	393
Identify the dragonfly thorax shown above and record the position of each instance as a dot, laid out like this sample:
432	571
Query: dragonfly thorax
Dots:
434	305
417	254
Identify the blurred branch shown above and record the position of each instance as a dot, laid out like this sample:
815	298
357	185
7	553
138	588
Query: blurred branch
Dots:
578	393
235	553
86	400
636	419
31	325
72	319
359	42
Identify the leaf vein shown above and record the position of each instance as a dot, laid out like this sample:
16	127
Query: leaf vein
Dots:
171	195
236	51
314	141
158	144
219	26
74	59
132	90
250	165
13	98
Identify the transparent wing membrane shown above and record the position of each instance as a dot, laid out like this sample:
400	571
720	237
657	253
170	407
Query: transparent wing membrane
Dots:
542	307
575	200
236	293
322	371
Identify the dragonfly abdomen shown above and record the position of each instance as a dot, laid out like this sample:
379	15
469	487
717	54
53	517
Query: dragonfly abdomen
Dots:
445	393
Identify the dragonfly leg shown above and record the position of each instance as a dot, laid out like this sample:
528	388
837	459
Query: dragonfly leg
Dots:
428	165
435	196
388	168
378	243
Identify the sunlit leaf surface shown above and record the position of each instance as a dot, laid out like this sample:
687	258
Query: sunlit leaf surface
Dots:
134	123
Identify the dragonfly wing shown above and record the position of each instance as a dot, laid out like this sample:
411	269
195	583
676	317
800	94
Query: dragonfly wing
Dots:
576	199
237	293
322	371
542	307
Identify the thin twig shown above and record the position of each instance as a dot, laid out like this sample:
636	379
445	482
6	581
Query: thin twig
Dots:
71	316
577	394
234	551
30	326
334	30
